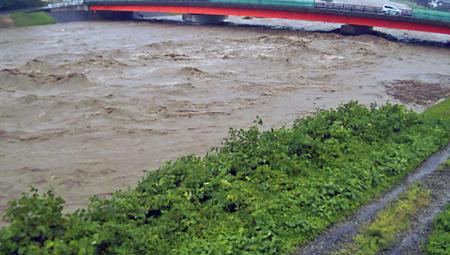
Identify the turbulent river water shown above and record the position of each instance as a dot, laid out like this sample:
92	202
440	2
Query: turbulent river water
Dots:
86	107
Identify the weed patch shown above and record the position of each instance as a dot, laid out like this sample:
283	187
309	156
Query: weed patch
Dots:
382	232
22	19
441	110
438	242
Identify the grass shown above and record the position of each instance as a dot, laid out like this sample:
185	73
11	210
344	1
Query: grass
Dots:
22	19
382	232
441	110
445	165
438	242
394	219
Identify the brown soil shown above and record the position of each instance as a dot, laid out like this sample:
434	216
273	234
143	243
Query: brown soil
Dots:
418	92
6	22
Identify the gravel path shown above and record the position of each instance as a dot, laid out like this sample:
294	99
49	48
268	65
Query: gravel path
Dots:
342	233
412	240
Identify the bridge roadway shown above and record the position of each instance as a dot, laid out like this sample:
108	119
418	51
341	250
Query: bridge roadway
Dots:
323	12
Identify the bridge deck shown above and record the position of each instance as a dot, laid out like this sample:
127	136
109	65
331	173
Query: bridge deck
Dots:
296	14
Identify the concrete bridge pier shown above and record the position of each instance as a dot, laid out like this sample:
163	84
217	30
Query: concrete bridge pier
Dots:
204	19
356	30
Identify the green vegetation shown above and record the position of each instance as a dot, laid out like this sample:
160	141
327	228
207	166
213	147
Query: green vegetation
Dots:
382	232
22	19
423	13
438	242
262	192
445	166
6	5
441	110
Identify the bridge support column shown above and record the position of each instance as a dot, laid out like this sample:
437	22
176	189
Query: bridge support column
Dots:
356	30
204	19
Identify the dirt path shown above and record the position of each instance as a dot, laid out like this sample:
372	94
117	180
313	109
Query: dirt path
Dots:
412	241
436	181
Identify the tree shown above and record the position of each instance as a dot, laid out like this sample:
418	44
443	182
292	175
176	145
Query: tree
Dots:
6	5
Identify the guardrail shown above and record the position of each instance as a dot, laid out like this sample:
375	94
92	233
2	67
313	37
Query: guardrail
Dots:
66	4
361	9
304	5
356	8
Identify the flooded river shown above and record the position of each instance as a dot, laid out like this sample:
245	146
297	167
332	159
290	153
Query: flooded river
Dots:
86	107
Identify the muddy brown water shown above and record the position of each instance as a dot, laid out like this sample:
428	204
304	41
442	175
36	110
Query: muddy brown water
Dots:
86	107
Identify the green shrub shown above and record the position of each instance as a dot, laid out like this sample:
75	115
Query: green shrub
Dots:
262	192
438	242
22	19
35	221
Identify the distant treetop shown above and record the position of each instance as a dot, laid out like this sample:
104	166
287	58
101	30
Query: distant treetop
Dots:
6	5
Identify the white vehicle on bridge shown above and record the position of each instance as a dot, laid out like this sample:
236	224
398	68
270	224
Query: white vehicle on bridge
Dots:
391	10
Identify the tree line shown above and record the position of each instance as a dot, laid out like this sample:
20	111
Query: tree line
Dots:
6	5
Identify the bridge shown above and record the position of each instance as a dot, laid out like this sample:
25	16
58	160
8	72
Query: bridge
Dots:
358	17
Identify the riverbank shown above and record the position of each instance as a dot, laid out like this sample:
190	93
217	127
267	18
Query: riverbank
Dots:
24	19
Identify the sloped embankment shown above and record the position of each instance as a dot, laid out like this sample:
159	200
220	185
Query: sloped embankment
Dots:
438	240
414	240
369	231
400	226
24	19
262	192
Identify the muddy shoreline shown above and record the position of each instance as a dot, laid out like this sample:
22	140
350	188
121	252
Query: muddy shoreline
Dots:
87	107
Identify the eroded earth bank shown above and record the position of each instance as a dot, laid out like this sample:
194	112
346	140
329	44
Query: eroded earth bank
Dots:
86	107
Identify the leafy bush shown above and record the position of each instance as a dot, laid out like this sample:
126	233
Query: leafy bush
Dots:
262	192
439	239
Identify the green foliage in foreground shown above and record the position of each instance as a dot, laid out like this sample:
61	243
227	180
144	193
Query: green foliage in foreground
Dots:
382	232
439	239
260	193
22	19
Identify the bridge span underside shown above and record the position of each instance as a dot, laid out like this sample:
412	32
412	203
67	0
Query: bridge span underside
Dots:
382	21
